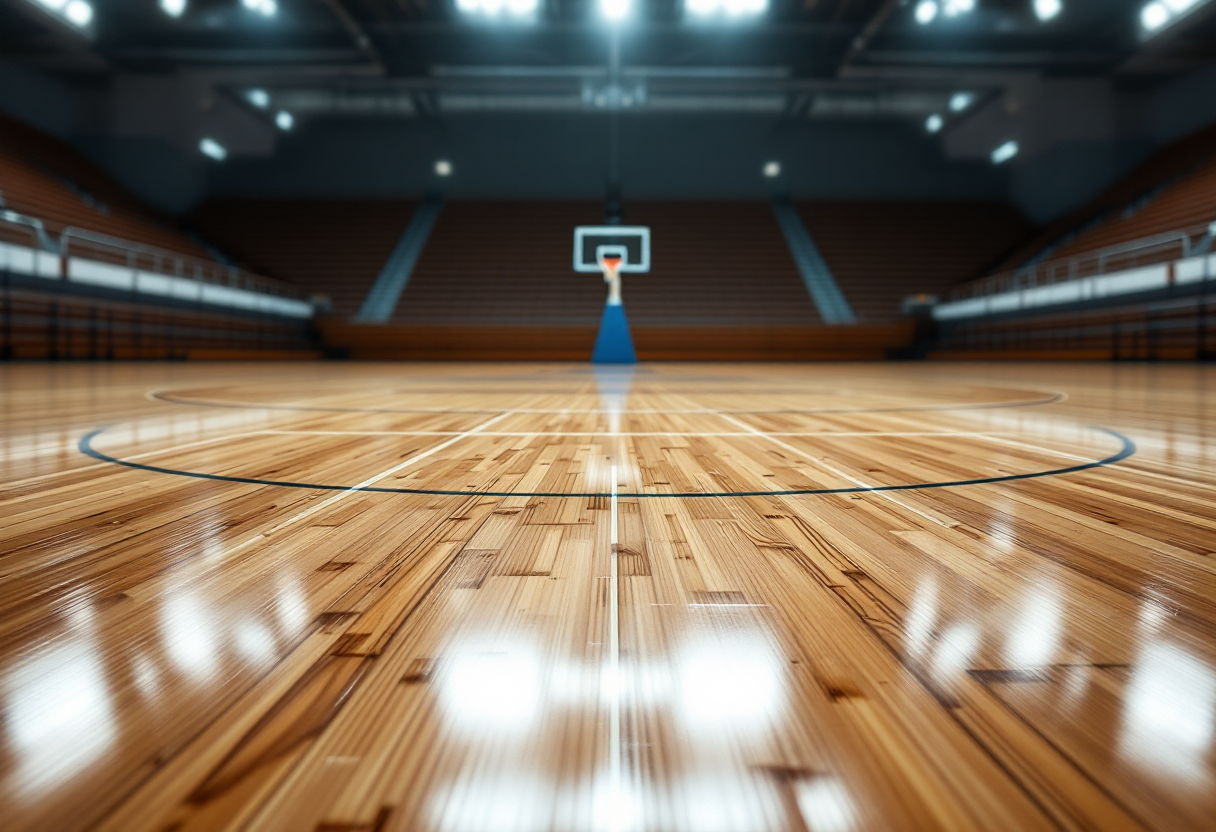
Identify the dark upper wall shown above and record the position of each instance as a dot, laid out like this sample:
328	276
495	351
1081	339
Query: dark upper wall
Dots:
661	157
1077	138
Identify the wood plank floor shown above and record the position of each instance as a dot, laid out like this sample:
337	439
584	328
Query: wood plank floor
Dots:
344	597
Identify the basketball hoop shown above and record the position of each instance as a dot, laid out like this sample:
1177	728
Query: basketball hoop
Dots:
613	251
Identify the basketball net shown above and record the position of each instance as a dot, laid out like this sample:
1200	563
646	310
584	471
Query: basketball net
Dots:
611	266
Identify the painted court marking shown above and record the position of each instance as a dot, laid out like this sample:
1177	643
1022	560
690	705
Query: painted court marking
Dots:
86	447
1051	398
1127	450
614	662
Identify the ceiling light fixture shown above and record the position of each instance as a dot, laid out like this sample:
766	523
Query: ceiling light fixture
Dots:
1004	153
496	8
1046	10
615	9
961	101
79	13
173	8
76	13
954	8
266	8
443	168
725	8
772	169
210	147
926	12
935	123
1160	14
284	120
258	98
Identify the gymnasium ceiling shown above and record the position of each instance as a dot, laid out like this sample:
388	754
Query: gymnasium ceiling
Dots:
426	59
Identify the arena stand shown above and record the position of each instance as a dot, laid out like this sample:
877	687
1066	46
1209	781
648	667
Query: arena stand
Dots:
1134	285
334	248
723	285
88	271
881	252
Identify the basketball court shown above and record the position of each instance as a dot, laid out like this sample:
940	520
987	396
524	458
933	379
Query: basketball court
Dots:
473	597
607	416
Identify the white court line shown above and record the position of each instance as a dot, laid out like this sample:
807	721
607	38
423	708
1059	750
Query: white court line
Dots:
416	457
834	470
614	665
354	489
1041	449
672	433
194	444
880	411
90	462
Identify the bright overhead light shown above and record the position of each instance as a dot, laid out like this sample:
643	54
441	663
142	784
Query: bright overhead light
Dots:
1004	153
258	98
1159	14
961	101
443	168
772	169
1154	16
173	8
78	12
496	8
266	8
212	148
934	123
953	8
284	120
725	8
926	12
615	9
1048	9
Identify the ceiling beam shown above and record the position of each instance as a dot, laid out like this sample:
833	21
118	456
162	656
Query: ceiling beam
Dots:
868	32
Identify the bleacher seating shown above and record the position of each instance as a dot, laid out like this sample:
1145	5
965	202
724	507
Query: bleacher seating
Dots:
328	247
1175	190
882	252
1177	329
45	178
1186	203
39	324
500	262
712	264
1164	168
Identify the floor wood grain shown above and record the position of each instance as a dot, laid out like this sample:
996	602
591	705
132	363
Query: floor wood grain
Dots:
349	597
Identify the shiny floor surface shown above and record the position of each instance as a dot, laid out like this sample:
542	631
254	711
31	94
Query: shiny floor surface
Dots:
480	598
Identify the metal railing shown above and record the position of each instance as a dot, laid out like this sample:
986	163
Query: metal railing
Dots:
16	228
90	245
1147	251
103	248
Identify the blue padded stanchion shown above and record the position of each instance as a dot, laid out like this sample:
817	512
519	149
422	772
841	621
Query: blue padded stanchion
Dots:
614	345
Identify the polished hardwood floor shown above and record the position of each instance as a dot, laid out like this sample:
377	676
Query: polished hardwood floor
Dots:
345	598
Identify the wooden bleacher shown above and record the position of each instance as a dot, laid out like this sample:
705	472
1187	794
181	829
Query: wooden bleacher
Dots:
42	324
1185	203
45	178
1168	166
496	282
1175	190
330	247
881	252
717	264
490	263
1179	329
499	262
